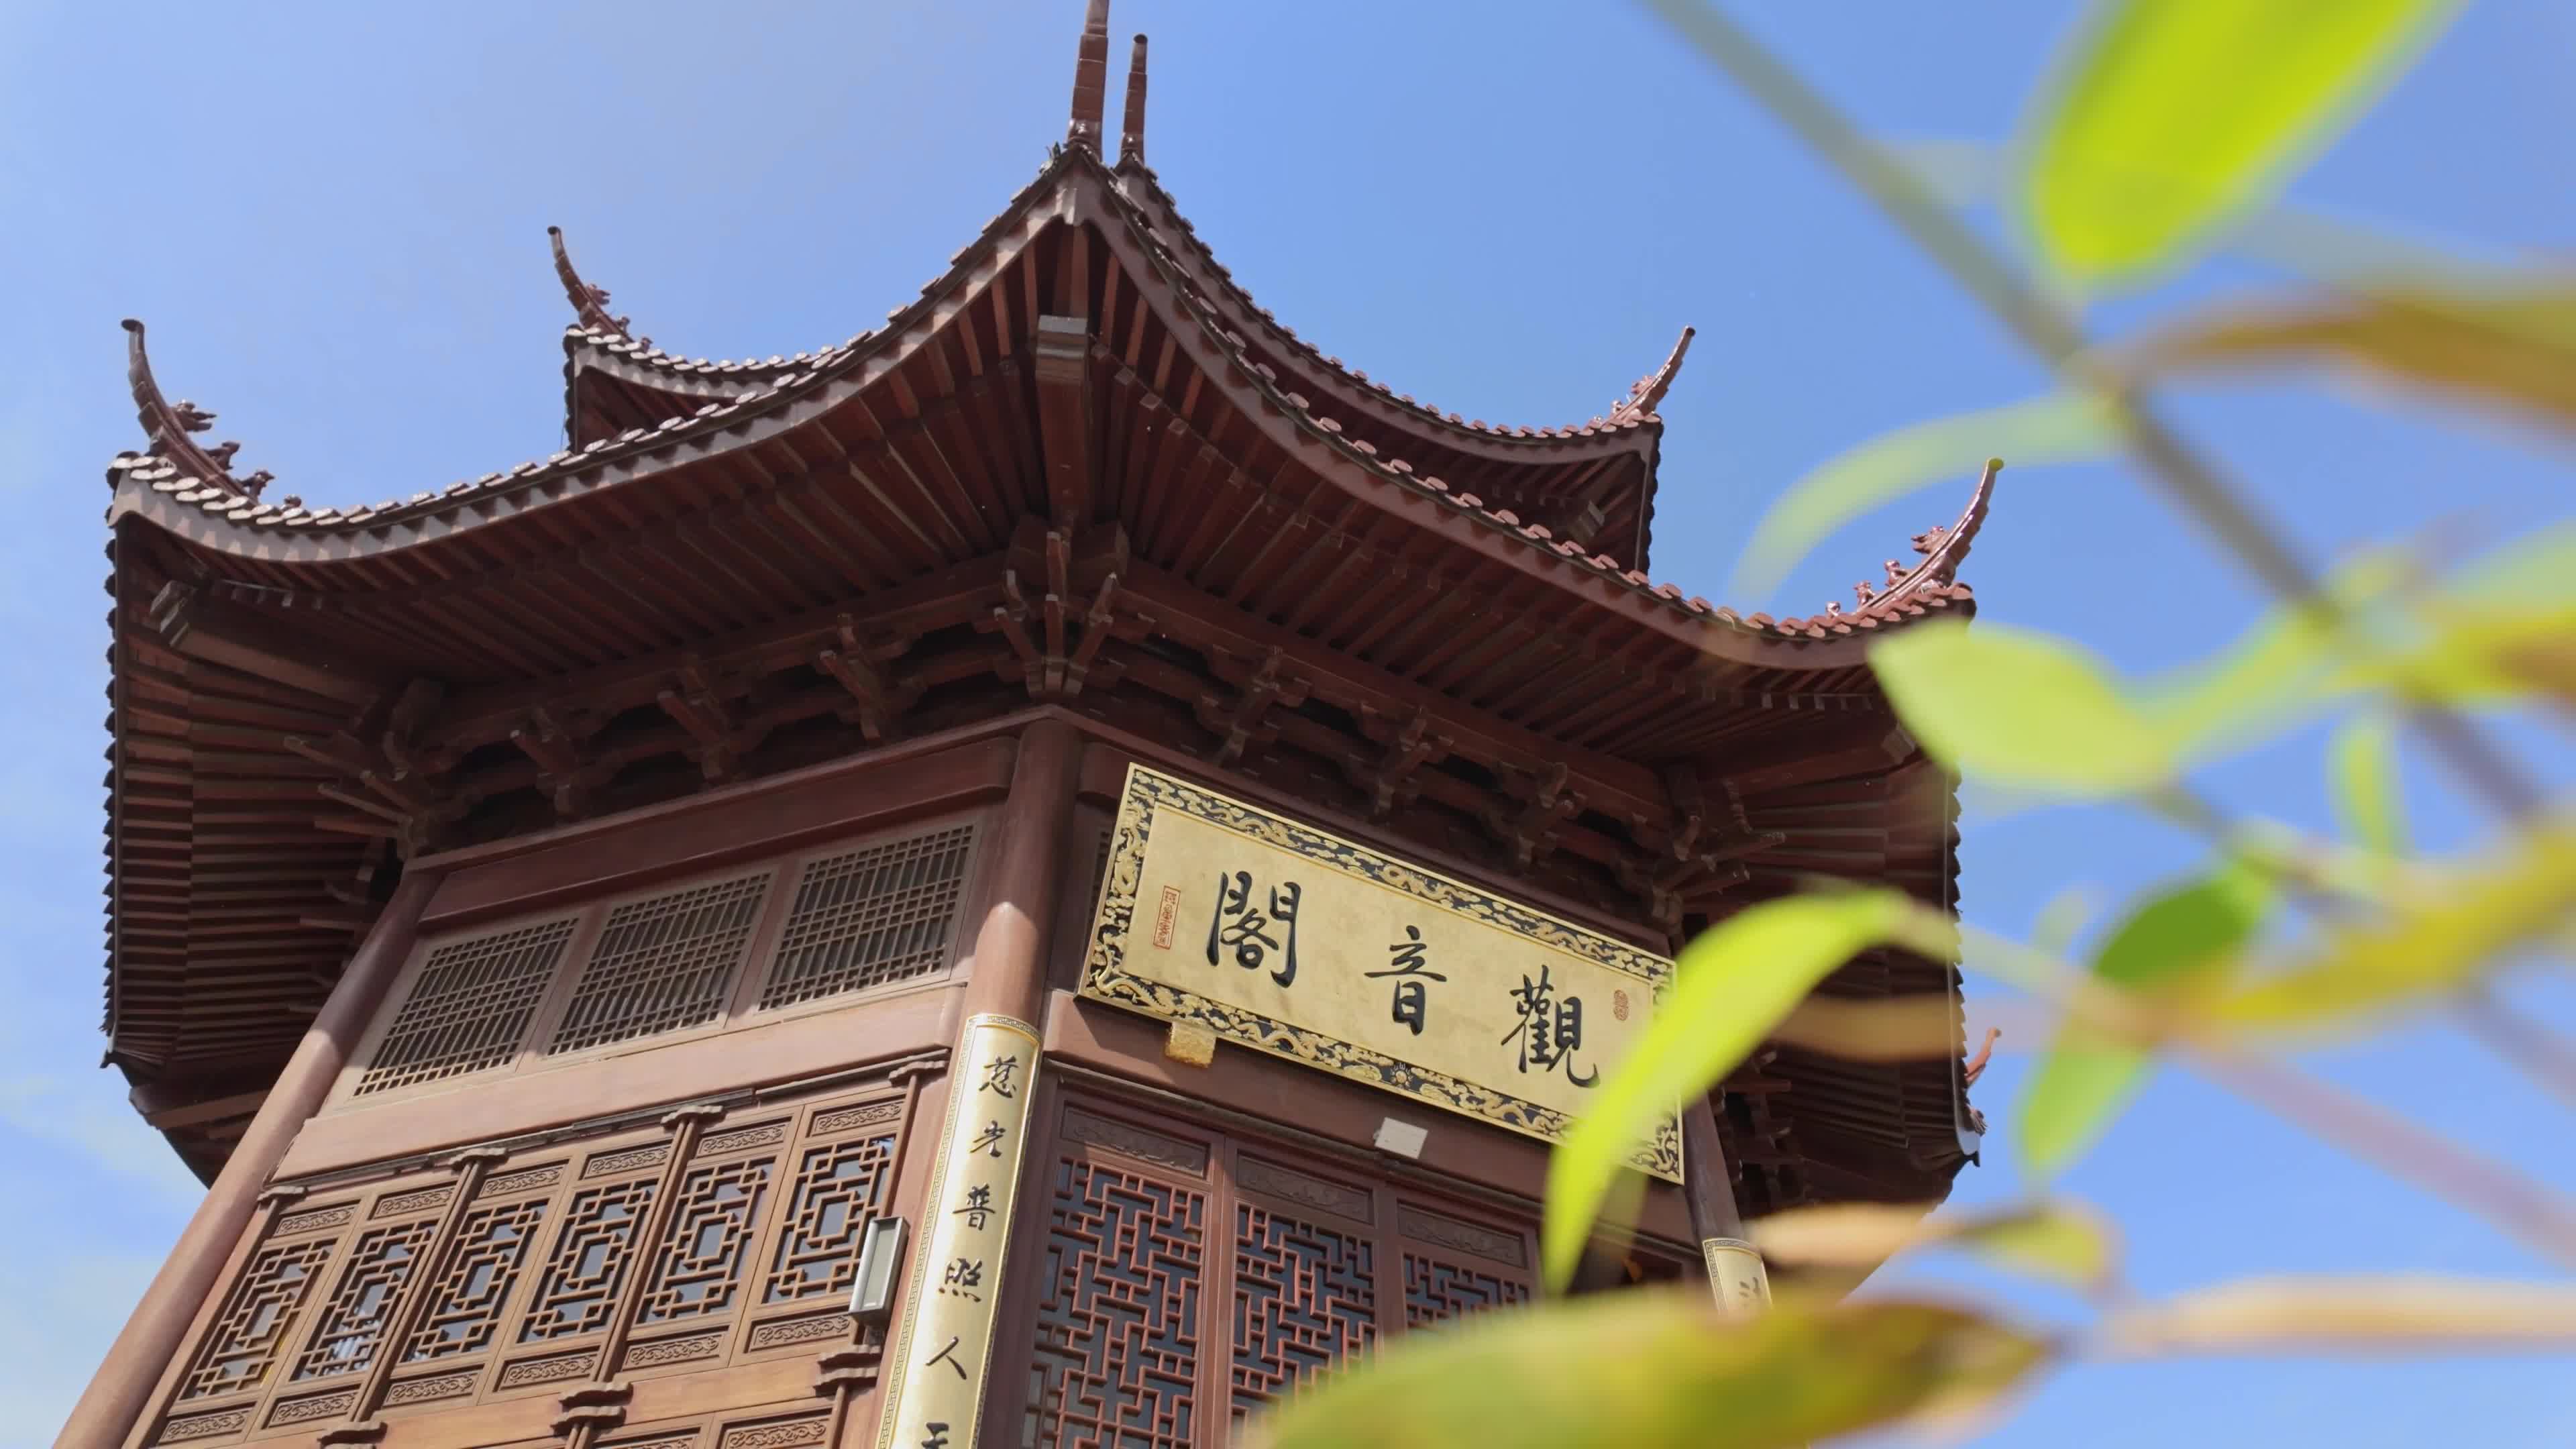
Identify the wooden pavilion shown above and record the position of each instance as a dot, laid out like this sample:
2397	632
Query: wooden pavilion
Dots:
567	916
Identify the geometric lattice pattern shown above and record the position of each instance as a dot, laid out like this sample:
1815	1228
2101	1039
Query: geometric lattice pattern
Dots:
1434	1290
352	1323
701	1256
663	963
472	1285
869	917
1303	1297
834	1197
591	1254
1118	1312
250	1333
469	1006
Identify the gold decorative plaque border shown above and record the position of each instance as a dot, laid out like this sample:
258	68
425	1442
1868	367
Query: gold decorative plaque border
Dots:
1105	976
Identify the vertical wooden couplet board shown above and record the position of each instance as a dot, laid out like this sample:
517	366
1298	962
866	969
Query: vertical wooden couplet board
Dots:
936	1369
1736	1275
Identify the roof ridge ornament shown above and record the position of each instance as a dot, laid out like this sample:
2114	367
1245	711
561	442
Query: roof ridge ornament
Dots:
169	426
589	303
1131	133
1090	81
1647	393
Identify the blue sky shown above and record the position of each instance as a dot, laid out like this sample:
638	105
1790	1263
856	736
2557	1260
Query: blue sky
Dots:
333	218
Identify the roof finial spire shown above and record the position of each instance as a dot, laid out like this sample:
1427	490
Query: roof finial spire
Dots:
1131	135
1090	81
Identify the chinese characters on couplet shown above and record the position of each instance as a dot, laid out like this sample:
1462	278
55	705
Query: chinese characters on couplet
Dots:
988	1141
964	1276
1411	971
948	1356
998	1077
1550	1031
978	1210
1254	938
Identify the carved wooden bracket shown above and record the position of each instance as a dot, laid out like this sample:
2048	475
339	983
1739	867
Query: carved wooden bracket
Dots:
1404	748
1699	856
408	803
1545	806
1064	653
696	700
877	702
560	747
1237	722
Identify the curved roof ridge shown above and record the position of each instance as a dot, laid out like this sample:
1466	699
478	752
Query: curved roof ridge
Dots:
589	302
162	481
1647	393
1931	584
169	425
1202	259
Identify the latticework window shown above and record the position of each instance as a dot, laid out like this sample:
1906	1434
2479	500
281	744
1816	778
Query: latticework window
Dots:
663	963
469	1007
1188	1279
879	914
353	1322
252	1332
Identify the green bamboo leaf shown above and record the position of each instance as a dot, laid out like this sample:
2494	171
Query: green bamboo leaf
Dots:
2439	930
1651	1369
2363	760
2019	709
2172	943
1731	987
2061	1241
2415	1313
2063	428
2169	116
2506	343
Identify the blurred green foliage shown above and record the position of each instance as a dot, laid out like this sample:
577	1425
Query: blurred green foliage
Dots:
2167	123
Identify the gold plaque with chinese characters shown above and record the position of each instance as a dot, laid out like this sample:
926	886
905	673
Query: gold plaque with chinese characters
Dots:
1279	937
935	1371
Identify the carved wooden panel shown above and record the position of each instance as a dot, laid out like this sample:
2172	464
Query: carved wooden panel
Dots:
663	963
870	916
831	1202
1116	1359
352	1323
1303	1297
469	1006
252	1331
589	1262
698	1265
471	1286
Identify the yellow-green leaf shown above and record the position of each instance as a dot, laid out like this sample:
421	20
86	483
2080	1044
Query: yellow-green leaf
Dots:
2019	709
2171	943
2169	116
2064	428
1730	988
2409	1313
2279	672
2366	800
1656	1370
2509	344
2061	1241
2437	933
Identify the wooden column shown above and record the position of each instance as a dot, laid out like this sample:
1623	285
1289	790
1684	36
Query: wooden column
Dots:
122	1389
1735	1272
935	1377
1008	974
